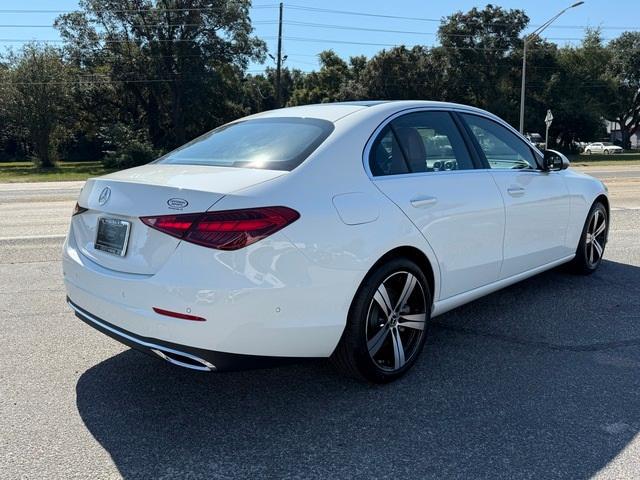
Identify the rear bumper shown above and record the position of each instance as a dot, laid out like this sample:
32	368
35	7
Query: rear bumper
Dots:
180	355
263	301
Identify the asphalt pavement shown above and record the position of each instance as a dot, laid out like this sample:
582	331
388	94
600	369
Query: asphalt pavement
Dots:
540	380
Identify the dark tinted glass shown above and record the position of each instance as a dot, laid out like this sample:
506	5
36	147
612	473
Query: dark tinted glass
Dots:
386	157
269	143
419	142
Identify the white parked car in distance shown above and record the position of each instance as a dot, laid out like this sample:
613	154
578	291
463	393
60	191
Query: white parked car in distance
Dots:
607	148
334	230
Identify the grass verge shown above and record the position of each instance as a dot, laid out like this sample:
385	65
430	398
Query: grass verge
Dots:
605	160
14	172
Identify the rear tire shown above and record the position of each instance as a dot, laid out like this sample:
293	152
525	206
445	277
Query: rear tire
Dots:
592	241
588	152
387	324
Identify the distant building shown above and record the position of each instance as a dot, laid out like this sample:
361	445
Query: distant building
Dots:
615	135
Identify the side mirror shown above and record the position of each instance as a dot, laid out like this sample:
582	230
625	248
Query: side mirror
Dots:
554	161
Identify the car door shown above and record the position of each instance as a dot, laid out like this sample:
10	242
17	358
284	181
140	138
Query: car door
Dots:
421	162
537	202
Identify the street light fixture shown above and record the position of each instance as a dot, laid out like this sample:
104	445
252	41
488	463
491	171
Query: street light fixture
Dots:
527	39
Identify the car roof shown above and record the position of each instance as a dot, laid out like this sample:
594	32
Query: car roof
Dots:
337	110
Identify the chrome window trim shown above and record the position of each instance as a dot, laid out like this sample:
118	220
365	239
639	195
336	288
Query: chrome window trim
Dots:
440	108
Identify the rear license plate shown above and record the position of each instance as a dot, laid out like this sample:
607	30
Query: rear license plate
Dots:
113	235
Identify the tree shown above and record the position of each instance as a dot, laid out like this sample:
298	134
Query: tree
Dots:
177	65
259	90
325	85
38	99
481	58
402	73
575	91
624	70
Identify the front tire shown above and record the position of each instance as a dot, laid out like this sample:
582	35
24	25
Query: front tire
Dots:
592	242
588	152
606	152
387	324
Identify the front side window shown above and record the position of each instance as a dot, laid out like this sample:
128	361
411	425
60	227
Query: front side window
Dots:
269	143
419	142
501	147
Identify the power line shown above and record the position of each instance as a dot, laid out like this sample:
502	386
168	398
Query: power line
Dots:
345	42
130	10
361	14
433	20
259	22
110	81
294	39
408	32
311	25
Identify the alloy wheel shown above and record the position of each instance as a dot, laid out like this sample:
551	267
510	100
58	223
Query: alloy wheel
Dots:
596	238
396	321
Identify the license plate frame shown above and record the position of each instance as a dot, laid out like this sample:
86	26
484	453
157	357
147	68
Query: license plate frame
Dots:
112	236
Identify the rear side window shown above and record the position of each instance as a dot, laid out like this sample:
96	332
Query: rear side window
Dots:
268	143
419	142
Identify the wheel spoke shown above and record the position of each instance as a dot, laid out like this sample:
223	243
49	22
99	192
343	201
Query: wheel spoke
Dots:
596	217
407	290
377	341
416	321
591	249
600	229
398	349
598	247
382	298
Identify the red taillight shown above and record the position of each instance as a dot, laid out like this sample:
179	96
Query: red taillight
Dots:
78	209
175	225
225	230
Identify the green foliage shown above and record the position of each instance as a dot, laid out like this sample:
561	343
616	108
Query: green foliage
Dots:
131	83
37	101
125	148
623	71
175	66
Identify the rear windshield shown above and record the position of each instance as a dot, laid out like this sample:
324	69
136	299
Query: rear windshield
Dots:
269	143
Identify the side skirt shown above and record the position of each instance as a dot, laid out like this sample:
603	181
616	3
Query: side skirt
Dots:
450	303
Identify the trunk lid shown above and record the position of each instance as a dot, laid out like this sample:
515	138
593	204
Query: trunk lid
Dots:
154	189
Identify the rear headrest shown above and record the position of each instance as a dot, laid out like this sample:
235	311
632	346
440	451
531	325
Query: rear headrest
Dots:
413	147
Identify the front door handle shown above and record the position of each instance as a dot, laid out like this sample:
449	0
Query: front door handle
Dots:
515	191
423	202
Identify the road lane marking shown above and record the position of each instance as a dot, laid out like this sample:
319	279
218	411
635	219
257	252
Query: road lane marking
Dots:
34	237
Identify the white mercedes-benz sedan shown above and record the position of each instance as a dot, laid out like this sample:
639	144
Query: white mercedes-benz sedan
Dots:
603	147
333	230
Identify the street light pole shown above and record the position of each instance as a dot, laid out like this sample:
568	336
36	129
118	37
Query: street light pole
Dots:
527	39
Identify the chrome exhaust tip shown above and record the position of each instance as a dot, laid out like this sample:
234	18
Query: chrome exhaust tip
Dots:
175	357
185	360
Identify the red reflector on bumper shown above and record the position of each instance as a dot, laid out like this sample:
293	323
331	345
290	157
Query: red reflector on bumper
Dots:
181	316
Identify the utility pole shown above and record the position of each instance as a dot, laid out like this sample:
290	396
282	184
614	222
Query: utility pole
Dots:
527	39
279	61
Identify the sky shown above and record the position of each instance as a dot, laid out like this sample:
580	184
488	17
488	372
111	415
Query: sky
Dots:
302	43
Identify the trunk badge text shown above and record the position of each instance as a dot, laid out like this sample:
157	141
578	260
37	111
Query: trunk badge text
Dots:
177	203
105	195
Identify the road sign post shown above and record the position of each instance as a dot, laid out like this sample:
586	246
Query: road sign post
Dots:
548	120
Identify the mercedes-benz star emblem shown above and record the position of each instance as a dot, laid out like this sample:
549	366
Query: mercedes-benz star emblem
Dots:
104	196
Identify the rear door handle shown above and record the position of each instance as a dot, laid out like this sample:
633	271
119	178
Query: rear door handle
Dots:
515	191
423	202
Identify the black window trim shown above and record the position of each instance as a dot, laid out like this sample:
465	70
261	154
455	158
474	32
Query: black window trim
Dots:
471	150
460	114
